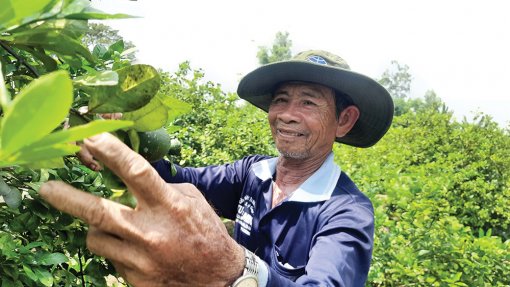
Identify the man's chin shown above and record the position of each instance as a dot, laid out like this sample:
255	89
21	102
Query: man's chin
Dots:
294	154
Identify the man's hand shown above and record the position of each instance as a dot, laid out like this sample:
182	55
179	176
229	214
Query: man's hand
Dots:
172	238
84	154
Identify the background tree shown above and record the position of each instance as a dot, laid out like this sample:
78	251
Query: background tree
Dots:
101	34
279	51
221	128
440	190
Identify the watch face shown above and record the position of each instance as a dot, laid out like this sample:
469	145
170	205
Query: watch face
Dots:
246	281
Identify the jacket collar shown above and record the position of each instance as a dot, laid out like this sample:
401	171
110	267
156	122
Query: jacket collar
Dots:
318	187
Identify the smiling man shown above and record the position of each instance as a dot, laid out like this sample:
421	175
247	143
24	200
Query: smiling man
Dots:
299	219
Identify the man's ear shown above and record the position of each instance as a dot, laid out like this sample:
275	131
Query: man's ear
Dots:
346	120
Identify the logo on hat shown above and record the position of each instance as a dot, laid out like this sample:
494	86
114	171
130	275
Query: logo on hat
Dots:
317	60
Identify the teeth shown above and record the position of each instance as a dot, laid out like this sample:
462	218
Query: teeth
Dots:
289	133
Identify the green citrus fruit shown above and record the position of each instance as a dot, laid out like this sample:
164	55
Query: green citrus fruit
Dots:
154	145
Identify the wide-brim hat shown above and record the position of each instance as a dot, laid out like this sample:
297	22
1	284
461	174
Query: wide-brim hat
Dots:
320	67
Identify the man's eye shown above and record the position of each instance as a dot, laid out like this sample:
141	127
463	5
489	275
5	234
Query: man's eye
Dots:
278	100
309	103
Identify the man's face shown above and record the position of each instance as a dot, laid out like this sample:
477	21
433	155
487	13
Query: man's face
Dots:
303	120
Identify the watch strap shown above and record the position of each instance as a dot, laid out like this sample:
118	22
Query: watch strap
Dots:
250	271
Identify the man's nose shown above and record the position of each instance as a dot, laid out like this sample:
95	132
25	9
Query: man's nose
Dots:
289	113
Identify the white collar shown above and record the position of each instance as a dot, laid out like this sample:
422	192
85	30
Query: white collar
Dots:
317	187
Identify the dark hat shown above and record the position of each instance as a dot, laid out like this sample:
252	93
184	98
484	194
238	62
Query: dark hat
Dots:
321	67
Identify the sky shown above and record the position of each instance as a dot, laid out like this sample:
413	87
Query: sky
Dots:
458	49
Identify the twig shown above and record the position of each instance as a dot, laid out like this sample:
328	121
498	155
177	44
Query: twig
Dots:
82	116
81	268
19	58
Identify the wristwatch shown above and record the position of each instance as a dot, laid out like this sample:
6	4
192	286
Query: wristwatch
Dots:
250	272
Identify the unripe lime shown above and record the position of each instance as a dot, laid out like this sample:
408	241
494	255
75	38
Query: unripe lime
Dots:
154	145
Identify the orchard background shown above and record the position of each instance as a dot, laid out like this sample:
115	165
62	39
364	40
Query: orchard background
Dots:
440	187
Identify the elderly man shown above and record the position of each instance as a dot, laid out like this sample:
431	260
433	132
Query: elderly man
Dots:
299	220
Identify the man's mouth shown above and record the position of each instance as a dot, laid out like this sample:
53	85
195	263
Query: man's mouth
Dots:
289	133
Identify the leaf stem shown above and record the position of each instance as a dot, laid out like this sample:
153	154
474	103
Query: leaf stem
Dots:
19	58
81	268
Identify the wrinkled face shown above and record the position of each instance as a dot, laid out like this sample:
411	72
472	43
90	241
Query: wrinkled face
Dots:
303	120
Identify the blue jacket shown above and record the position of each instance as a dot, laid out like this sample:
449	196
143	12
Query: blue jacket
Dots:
321	236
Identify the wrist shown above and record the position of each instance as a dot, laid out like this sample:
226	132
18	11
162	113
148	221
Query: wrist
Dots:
237	266
255	272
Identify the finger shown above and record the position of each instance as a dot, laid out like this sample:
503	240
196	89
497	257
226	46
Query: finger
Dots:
109	246
95	211
111	116
136	172
87	159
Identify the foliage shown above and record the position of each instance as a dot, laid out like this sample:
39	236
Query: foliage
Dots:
441	192
47	78
221	128
101	34
397	80
279	51
440	188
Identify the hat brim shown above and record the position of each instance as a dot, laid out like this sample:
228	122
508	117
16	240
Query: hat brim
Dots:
373	100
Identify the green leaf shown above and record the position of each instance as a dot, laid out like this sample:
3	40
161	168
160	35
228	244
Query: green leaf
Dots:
175	107
8	283
125	197
150	117
111	180
117	47
44	276
81	10
72	28
53	40
103	78
4	188
98	15
29	272
78	133
138	84
26	248
172	129
35	112
52	259
134	140
5	98
56	162
15	13
13	198
76	119
40	154
49	63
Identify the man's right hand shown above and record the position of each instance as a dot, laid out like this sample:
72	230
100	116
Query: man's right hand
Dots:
172	238
84	154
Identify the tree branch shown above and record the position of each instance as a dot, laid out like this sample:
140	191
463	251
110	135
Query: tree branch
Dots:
19	58
81	268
